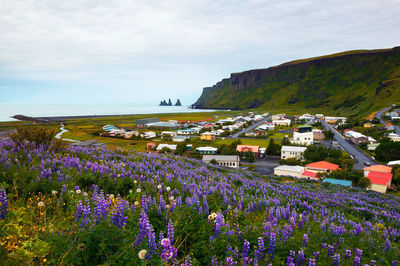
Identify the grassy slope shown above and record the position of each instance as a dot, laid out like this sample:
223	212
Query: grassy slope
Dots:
356	82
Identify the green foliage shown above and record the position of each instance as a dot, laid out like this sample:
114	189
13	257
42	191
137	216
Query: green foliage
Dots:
352	83
364	182
316	153
30	138
165	150
180	148
290	161
213	161
273	148
388	151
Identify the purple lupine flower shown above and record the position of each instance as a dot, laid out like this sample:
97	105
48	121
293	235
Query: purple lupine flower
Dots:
336	259
300	257
305	240
357	261
246	249
214	261
316	255
395	263
311	262
289	260
168	252
230	262
272	244
3	203
117	217
388	245
170	231
347	254
259	254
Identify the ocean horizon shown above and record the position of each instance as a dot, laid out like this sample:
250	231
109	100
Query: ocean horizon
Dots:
50	110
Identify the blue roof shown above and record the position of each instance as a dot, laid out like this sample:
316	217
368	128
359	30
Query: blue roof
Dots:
346	183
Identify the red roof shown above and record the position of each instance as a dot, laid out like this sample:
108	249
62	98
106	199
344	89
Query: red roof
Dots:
378	168
323	165
380	178
347	130
310	174
246	148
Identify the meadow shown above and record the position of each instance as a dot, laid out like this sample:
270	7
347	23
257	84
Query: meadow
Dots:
80	206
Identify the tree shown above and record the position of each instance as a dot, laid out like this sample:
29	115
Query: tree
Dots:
31	138
249	156
213	161
388	151
329	134
180	149
396	174
347	164
165	150
364	182
273	149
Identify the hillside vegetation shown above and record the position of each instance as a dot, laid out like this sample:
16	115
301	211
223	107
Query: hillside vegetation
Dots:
99	207
349	83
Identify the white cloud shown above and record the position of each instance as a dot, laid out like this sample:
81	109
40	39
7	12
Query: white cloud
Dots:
132	42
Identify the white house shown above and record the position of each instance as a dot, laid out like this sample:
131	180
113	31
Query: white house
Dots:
179	138
172	147
231	161
148	135
267	126
289	170
207	150
305	138
393	137
288	152
282	122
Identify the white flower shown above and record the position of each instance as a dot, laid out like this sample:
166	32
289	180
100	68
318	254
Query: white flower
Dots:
85	194
210	217
213	215
40	204
159	186
138	190
165	241
168	189
136	203
111	196
171	198
130	191
167	206
134	181
78	191
54	192
142	254
119	175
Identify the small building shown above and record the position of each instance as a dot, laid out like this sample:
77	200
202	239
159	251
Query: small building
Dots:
304	128
368	125
322	167
393	162
179	138
168	133
393	137
142	122
247	148
231	161
148	135
372	146
150	145
346	183
206	150
130	134
377	168
309	175
189	147
380	181
251	134
163	125
89	144
289	170
172	147
296	152
318	134
266	126
108	128
207	136
306	138
282	122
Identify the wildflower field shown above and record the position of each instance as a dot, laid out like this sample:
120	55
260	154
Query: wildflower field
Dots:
89	207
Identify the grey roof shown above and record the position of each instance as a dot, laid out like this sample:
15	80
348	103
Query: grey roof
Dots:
221	158
293	148
290	168
162	124
146	121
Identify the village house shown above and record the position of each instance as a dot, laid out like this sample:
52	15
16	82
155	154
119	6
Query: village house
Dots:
305	138
148	135
150	146
357	137
130	134
247	148
333	119
318	134
393	137
372	146
322	167
282	122
207	136
172	147
251	134
266	126
303	128
278	116
144	121
161	124
206	150
289	170
231	161
296	152
180	138
380	177
89	144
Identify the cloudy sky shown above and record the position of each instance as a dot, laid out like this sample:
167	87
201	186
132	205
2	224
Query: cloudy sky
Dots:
113	51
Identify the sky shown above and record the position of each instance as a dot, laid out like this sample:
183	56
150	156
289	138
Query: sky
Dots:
143	51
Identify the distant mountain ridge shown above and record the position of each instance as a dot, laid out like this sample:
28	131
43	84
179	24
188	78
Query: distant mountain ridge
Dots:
353	82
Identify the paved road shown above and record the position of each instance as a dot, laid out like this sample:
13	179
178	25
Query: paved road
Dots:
379	116
265	167
359	156
253	126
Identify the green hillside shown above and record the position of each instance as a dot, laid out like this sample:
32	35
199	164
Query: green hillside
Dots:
349	83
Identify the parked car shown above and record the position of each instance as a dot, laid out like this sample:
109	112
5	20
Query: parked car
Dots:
367	164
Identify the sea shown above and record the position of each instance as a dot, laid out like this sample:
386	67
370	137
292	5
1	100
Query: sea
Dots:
50	110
